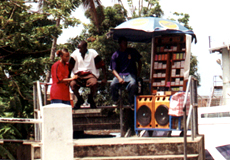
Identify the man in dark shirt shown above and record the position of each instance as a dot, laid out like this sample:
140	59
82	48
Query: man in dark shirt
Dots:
123	65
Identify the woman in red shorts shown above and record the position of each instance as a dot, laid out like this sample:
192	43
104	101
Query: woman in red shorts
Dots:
59	92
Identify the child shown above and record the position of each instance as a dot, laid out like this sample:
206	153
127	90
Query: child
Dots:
60	87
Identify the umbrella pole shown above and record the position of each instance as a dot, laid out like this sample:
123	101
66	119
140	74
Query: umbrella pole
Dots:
151	69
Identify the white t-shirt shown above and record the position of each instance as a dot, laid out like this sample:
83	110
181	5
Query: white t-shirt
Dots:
86	64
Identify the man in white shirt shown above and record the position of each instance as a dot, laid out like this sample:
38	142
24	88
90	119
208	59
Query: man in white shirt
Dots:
86	64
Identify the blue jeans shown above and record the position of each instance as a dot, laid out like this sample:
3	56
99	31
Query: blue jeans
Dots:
131	87
60	101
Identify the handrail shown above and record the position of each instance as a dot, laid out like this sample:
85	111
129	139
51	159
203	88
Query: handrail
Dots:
20	120
37	121
37	109
39	95
213	88
210	97
192	114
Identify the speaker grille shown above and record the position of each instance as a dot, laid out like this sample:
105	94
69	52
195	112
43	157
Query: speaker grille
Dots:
144	115
161	115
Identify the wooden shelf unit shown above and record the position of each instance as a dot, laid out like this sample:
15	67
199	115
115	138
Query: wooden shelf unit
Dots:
168	64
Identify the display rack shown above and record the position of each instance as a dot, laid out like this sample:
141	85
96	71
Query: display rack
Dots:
168	64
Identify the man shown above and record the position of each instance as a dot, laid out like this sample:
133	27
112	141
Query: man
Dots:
85	63
123	65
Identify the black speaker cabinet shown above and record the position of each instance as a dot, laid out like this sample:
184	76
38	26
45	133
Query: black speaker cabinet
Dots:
145	111
161	107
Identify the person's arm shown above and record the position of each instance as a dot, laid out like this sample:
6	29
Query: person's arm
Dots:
113	68
61	78
121	80
71	65
99	63
69	79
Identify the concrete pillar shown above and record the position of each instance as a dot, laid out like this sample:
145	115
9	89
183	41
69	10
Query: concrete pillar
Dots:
57	132
226	76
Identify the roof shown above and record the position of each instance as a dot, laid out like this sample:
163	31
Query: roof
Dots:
219	49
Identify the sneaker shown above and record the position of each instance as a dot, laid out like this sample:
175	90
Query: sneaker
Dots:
77	105
91	102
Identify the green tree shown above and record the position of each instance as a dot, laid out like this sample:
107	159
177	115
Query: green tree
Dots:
114	16
23	35
26	39
194	68
149	8
183	18
60	11
96	17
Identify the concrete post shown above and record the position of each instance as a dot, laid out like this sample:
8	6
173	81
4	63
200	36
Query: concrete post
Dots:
57	132
226	76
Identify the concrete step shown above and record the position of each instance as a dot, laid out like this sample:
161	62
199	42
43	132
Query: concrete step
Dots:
96	122
137	146
96	126
99	119
164	157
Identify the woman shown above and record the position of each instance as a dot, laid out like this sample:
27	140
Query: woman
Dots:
60	87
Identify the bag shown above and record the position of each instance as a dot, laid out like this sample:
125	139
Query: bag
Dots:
176	104
83	73
83	77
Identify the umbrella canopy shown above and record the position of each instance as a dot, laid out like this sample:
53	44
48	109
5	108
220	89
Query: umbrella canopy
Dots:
143	29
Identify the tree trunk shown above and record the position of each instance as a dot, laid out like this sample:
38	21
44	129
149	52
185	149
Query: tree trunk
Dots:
94	14
52	52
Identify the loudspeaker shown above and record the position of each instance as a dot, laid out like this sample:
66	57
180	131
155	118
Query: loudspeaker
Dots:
161	107
144	111
152	112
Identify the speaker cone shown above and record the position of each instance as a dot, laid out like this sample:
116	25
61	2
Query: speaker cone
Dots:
144	115
161	115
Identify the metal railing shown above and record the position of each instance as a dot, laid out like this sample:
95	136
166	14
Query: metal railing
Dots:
191	92
37	100
37	120
216	83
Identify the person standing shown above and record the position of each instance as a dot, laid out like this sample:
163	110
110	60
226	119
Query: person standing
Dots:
85	63
123	66
59	92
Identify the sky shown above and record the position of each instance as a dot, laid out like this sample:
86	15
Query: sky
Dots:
207	18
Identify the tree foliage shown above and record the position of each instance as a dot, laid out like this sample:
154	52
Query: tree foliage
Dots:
105	46
26	38
96	16
60	12
194	68
149	8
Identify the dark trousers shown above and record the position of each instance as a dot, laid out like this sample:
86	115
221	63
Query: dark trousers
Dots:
84	81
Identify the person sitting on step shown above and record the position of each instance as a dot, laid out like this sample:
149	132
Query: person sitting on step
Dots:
86	64
123	66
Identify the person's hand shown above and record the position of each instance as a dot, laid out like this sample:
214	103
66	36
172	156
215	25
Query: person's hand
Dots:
104	81
75	77
121	81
